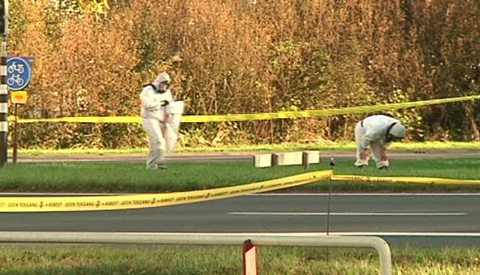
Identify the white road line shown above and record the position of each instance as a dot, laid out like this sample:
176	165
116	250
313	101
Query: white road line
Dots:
343	214
406	234
310	234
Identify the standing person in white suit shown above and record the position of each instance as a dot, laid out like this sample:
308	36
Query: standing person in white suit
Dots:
377	132
154	97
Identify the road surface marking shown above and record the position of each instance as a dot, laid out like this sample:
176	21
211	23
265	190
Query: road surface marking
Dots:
343	214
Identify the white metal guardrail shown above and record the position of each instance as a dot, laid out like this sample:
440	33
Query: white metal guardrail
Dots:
377	243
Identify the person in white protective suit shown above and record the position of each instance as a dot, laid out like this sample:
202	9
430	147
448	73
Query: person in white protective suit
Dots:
154	97
377	133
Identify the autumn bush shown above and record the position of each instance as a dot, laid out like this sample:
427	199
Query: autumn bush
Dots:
91	58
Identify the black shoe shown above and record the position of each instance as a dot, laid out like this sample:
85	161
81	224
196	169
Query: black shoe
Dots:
383	168
361	166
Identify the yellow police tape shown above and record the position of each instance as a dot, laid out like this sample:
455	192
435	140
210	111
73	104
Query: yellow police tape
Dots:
90	203
115	202
419	180
259	116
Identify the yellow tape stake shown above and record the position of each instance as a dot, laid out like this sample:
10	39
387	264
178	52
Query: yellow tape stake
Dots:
91	203
420	180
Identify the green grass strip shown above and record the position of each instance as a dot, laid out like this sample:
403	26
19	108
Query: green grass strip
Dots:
126	177
226	260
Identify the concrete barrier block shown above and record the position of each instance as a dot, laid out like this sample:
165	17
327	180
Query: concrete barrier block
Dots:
304	158
263	160
289	158
311	157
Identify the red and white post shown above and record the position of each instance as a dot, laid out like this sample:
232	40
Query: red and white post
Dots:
249	258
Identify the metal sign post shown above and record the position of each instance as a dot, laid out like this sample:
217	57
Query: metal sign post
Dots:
19	97
19	72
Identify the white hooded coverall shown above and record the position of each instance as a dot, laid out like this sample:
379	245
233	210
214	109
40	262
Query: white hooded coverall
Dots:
372	133
153	120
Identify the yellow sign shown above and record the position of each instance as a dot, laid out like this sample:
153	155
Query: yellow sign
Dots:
19	97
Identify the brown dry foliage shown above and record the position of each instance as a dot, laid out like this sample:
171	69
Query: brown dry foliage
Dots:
248	56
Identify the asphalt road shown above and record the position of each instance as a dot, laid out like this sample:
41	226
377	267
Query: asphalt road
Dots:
402	219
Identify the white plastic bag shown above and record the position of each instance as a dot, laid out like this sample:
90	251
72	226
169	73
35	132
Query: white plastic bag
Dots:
174	113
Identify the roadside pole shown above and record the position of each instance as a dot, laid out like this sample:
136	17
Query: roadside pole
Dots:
18	97
3	84
3	105
332	165
15	137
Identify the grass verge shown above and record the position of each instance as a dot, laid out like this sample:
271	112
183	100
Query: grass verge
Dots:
124	177
226	260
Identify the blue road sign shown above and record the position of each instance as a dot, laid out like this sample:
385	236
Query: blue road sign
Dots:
19	73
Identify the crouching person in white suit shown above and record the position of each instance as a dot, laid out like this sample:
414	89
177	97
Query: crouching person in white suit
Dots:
377	132
154	97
